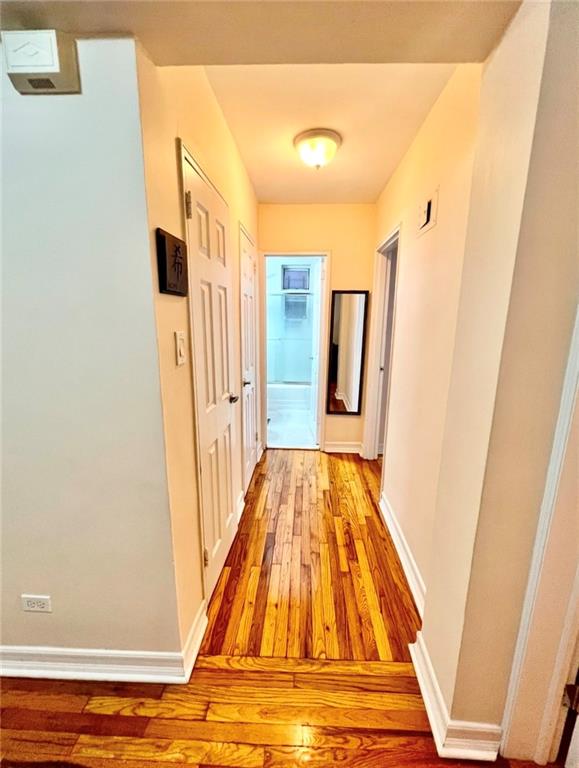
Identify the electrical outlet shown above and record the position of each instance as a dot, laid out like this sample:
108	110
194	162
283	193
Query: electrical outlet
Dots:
37	603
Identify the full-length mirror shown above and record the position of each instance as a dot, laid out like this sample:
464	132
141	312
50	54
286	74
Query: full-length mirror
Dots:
347	347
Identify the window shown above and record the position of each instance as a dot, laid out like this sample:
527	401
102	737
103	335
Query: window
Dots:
295	278
296	307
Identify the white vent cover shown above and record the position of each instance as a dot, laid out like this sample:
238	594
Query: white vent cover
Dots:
41	61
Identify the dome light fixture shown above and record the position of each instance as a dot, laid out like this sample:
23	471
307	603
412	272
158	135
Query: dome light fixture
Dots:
317	146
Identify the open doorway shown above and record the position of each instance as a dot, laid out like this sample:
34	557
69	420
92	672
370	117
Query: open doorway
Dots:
294	290
382	337
390	253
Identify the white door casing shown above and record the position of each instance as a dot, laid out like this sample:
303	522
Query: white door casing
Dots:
378	348
211	316
319	277
248	268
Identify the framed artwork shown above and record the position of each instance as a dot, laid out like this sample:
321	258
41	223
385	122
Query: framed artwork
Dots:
171	263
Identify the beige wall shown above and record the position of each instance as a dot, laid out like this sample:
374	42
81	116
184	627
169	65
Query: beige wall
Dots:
177	102
85	515
555	593
347	233
428	288
541	315
509	98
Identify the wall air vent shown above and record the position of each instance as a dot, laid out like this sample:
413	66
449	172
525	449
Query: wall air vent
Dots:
39	83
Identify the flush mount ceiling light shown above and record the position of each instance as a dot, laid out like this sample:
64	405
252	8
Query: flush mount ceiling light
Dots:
317	146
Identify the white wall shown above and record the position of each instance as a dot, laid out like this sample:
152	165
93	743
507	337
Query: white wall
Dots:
541	314
509	98
85	506
427	294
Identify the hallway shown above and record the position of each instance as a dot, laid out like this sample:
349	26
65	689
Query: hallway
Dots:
305	658
313	572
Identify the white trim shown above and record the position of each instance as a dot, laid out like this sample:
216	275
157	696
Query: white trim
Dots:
260	450
561	436
240	505
334	447
563	663
459	739
243	231
377	307
91	664
194	639
409	564
52	663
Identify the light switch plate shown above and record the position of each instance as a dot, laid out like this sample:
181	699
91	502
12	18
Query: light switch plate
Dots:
180	347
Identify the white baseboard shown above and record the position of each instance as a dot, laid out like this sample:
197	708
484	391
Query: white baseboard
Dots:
260	450
409	564
459	739
331	447
102	664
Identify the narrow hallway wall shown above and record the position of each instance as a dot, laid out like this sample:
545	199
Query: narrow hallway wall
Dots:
85	508
177	102
542	308
440	160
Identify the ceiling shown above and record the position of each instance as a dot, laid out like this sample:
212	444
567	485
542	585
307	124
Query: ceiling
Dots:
282	31
370	69
377	108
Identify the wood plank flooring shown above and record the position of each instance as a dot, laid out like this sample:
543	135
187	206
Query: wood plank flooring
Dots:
305	658
313	572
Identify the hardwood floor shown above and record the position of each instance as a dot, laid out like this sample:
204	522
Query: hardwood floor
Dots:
305	658
313	572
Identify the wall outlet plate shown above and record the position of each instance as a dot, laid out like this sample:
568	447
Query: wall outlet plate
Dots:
36	603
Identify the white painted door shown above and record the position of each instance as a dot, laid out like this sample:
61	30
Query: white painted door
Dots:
248	355
212	324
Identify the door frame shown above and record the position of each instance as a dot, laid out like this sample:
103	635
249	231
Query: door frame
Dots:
325	257
259	447
187	157
539	579
371	428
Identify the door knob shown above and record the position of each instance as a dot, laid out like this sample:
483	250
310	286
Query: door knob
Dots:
246	383
233	398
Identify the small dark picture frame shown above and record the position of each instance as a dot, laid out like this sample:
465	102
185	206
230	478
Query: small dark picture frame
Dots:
171	263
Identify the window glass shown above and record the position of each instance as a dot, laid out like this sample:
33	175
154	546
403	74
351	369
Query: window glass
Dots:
295	279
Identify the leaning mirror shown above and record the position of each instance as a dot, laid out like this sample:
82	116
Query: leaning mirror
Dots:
347	347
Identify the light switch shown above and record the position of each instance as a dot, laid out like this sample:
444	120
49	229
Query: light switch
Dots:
180	347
